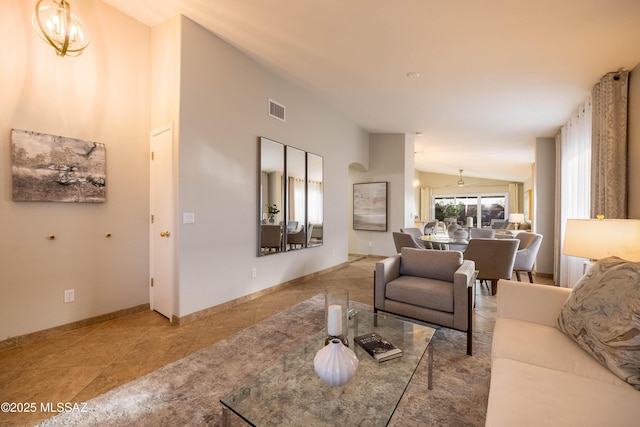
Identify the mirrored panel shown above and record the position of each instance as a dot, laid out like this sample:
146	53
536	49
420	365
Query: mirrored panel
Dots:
315	199
271	232
296	197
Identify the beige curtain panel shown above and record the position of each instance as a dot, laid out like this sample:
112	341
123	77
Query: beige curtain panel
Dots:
609	146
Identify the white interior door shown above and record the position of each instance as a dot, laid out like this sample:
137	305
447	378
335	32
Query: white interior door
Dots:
161	234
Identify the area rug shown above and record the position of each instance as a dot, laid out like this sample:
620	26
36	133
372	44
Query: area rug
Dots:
188	391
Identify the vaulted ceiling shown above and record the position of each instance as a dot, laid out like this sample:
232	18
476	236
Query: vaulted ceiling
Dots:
480	80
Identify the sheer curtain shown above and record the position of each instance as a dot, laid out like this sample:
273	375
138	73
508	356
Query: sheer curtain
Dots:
315	201
574	149
296	200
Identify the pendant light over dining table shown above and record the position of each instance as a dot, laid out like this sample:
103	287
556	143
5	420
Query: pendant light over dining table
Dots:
55	24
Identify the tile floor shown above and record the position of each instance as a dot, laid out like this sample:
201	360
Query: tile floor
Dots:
82	364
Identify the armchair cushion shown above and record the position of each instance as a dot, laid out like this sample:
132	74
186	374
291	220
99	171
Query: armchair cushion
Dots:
427	293
440	265
602	315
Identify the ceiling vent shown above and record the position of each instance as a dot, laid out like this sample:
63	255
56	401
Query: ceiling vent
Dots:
277	111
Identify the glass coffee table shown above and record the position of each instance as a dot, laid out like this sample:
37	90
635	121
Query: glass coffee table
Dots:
289	393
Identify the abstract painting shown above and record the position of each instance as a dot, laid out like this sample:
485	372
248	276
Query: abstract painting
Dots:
370	206
48	168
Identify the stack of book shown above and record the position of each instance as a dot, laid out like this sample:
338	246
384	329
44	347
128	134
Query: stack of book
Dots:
378	347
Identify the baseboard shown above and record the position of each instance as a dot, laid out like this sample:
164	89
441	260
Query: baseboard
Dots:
176	320
58	330
192	317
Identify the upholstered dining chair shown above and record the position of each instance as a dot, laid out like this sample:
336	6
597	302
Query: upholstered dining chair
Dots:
482	233
297	238
494	259
404	240
416	233
431	227
270	237
527	252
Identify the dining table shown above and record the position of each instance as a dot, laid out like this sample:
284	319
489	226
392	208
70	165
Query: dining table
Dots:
444	241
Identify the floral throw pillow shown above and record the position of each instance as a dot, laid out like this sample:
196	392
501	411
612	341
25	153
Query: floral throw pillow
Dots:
602	315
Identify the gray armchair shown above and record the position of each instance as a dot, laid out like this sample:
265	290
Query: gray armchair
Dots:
493	258
430	286
527	252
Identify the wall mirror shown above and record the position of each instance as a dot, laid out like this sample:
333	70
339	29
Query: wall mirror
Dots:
271	197
291	198
315	198
296	203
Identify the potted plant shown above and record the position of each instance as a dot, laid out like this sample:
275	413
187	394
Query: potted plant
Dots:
451	212
272	210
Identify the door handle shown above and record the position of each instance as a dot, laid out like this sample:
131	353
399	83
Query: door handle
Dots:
165	234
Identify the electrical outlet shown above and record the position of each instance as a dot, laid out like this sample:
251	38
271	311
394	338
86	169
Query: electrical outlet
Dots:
370	244
69	295
254	272
333	252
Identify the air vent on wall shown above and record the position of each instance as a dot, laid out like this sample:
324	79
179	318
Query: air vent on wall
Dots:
277	111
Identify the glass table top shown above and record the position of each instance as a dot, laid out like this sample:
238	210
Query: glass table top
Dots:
443	239
289	393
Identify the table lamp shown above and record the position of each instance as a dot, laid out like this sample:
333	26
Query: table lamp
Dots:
600	238
517	219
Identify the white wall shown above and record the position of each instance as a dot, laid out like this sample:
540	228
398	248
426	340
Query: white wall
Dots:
544	204
223	110
387	162
411	209
216	98
103	96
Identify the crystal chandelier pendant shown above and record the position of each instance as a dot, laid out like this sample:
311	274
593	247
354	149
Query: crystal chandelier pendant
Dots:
55	24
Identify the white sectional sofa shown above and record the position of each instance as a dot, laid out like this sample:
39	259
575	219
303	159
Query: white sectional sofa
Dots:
541	377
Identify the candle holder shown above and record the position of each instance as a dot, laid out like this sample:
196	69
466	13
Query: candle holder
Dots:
336	315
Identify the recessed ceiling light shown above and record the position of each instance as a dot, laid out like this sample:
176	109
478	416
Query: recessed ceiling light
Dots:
413	75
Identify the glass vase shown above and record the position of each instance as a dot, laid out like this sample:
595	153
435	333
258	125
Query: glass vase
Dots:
336	309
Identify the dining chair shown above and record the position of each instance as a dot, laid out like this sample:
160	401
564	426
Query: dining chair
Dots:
482	233
527	252
297	238
416	233
494	259
404	240
270	237
430	227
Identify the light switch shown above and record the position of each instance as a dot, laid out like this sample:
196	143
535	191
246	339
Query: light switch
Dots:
188	218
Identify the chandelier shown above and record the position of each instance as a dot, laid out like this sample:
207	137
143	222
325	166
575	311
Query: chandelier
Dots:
55	24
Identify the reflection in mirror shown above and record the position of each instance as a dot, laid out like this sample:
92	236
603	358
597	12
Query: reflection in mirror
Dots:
271	233
315	198
296	211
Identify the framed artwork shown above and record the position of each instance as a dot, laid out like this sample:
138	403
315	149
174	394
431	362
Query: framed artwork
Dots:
49	168
370	206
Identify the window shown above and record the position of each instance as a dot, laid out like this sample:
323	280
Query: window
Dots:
482	208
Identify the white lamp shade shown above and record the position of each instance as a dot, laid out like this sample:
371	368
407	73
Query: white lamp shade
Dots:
596	239
516	217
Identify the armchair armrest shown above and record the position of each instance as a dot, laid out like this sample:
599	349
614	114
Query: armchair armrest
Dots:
531	302
463	278
386	270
